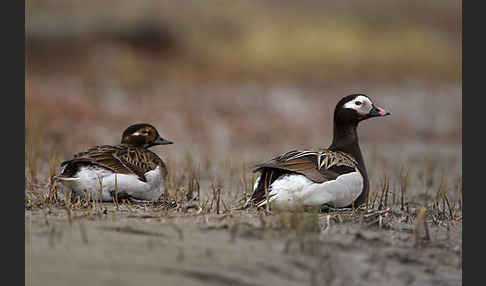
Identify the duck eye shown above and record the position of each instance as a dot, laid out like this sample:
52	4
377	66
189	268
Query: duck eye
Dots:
358	103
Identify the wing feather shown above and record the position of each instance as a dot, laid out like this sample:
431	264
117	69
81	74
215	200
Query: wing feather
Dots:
120	159
318	166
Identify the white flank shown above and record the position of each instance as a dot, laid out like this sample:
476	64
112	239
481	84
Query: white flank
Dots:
363	108
88	179
293	190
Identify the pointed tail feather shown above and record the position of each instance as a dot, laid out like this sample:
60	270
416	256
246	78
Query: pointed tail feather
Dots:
66	179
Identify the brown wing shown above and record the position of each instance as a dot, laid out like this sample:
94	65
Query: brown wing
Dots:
119	159
140	161
318	166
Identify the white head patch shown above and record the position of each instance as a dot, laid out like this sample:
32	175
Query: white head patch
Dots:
361	104
138	133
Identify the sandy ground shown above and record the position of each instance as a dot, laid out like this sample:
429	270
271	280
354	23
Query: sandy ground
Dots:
144	247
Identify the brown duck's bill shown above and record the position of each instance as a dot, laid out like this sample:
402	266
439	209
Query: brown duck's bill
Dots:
378	111
162	141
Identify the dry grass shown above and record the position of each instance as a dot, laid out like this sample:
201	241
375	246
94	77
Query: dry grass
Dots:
212	176
187	193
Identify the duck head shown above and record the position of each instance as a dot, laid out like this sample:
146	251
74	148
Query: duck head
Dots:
143	135
354	108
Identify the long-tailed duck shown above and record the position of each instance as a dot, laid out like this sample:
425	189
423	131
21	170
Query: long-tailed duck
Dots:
335	176
137	172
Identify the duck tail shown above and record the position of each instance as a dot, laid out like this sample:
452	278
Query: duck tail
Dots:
65	179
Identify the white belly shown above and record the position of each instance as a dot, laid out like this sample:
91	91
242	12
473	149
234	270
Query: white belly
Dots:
293	190
88	179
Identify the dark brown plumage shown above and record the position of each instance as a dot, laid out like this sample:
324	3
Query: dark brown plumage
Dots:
129	157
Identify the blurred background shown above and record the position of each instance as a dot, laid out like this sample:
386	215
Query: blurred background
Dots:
241	80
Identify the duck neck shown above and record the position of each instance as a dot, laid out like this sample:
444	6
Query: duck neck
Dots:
345	139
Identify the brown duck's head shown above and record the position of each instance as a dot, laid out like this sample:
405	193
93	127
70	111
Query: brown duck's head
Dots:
143	135
354	108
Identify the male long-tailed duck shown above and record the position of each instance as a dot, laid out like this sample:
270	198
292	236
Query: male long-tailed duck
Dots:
137	172
335	176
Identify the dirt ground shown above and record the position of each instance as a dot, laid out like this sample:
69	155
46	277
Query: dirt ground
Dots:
142	247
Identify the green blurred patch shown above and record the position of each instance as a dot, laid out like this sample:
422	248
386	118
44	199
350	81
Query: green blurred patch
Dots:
335	49
377	40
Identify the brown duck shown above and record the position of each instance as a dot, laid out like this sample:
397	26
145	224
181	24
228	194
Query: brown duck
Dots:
137	172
